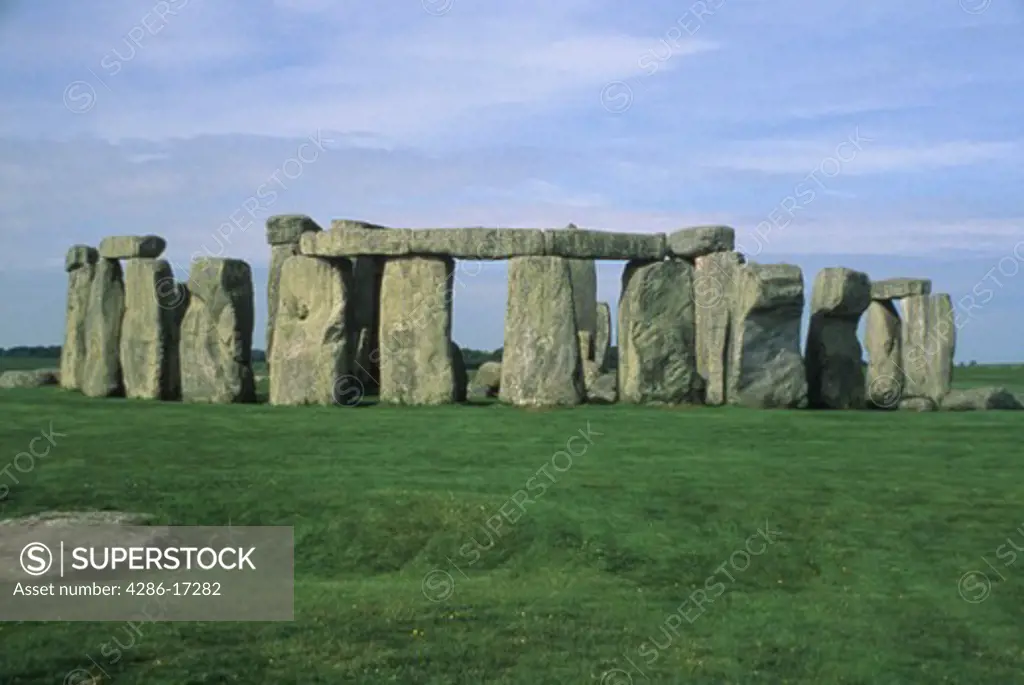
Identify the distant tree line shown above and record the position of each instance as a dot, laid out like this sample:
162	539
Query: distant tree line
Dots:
473	358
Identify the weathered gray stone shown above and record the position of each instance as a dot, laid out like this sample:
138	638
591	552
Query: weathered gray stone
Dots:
79	256
834	358
898	288
928	345
76	337
29	378
487	379
216	333
541	363
714	291
580	243
459	373
657	348
980	399
416	365
311	355
603	389
603	335
586	339
347	224
690	243
766	368
283	233
483	243
132	247
102	376
286	229
918	404
885	362
149	354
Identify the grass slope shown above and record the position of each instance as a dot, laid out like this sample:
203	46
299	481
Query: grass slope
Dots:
877	516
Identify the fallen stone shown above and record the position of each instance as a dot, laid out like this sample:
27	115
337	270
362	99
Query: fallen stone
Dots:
918	404
80	264
310	360
690	243
603	389
460	374
928	345
79	256
766	368
898	288
834	362
487	379
102	375
603	335
286	229
216	333
714	292
975	399
416	364
657	349
132	247
885	371
87	528
541	363
29	378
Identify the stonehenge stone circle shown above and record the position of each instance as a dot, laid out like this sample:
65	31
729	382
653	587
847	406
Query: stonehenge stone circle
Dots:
80	265
882	338
216	333
416	363
766	369
835	371
132	247
102	376
149	340
312	350
714	294
364	305
541	364
657	349
283	233
603	335
928	344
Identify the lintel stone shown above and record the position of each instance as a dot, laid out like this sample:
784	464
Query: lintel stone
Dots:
286	229
899	288
690	243
132	247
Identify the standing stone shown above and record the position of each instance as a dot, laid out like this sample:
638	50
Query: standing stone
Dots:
368	273
311	354
216	333
834	362
80	265
460	374
583	276
416	364
929	343
657	355
586	339
603	335
885	362
283	233
714	291
541	363
149	355
103	377
766	368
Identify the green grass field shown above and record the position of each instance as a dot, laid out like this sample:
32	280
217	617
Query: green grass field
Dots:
873	521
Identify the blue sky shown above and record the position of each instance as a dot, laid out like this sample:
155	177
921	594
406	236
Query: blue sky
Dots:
176	117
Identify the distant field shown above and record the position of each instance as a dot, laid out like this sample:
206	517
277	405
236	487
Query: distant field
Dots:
631	564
